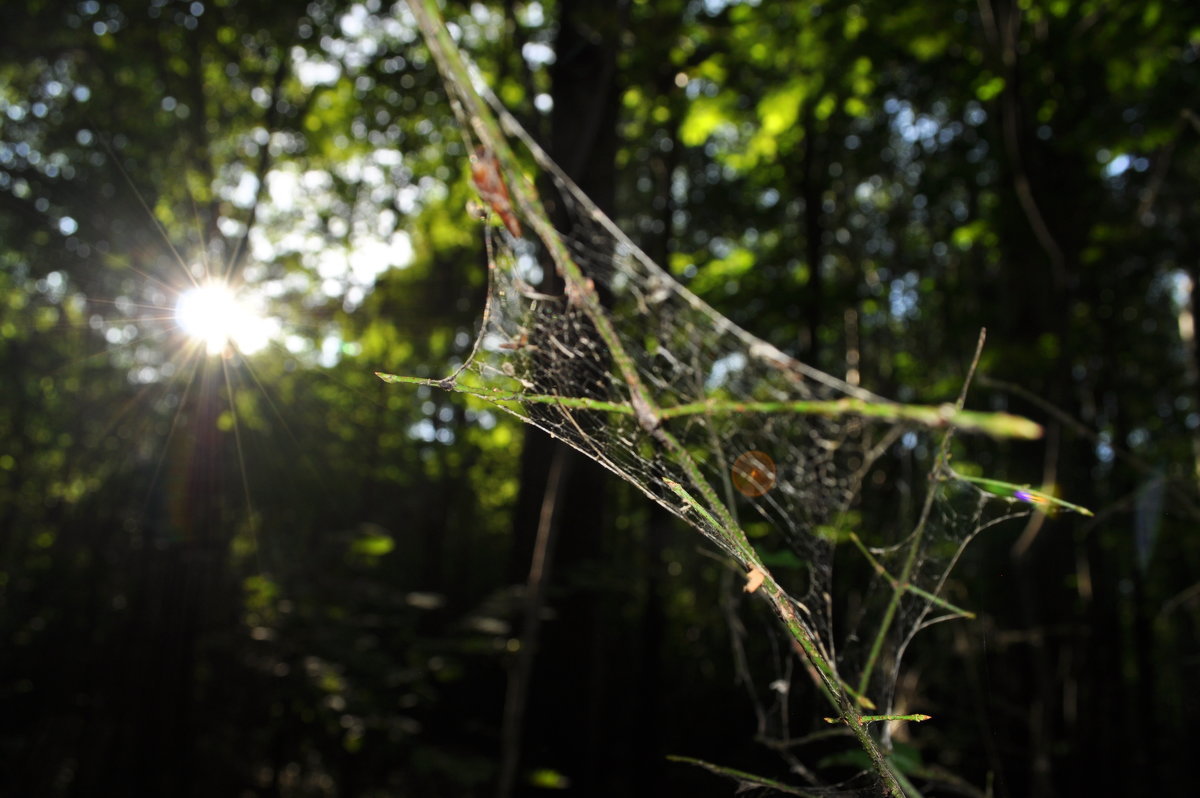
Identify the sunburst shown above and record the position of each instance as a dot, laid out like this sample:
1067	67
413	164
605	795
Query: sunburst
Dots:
214	314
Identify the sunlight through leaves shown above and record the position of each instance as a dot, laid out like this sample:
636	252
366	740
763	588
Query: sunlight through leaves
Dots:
213	314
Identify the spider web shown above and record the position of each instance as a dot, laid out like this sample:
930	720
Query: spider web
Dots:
585	337
784	446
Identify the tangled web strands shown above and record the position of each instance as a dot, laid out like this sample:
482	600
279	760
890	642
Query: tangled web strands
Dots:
587	338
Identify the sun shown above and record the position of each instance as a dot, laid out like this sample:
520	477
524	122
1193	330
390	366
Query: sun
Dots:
214	314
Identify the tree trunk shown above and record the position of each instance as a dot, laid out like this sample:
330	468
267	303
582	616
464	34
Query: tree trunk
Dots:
571	696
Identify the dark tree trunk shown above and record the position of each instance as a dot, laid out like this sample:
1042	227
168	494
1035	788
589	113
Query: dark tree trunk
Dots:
570	690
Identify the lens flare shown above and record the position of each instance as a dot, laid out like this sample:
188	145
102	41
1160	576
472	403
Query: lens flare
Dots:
753	473
214	315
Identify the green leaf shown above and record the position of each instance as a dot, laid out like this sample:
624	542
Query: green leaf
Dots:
703	118
929	46
779	110
548	779
1023	493
373	544
989	88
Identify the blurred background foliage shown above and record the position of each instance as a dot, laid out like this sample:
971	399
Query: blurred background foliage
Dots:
268	573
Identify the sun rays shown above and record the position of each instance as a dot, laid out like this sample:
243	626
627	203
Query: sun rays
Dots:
215	315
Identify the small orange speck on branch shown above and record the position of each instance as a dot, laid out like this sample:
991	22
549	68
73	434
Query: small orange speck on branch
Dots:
485	173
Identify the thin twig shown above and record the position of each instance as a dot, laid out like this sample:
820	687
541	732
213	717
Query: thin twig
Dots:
1000	425
917	539
517	696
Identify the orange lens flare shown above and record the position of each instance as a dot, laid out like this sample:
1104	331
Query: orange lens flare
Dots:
753	473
